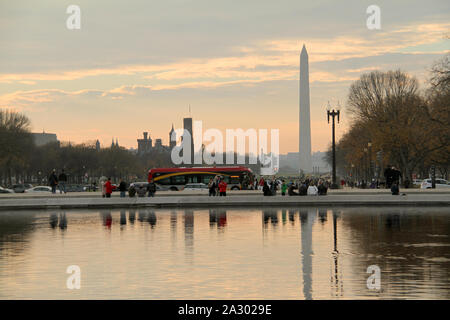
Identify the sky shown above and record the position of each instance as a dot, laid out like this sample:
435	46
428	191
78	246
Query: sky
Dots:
136	66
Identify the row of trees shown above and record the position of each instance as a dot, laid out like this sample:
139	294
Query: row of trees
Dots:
21	160
395	123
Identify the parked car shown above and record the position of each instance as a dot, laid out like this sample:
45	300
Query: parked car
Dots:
417	182
144	185
6	190
195	187
39	189
440	183
20	188
75	188
139	184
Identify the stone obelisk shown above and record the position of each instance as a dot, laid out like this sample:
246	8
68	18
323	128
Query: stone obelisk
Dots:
304	149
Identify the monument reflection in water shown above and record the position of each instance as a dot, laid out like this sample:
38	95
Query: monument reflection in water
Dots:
288	253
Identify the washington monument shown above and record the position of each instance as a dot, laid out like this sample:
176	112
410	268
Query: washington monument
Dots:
304	148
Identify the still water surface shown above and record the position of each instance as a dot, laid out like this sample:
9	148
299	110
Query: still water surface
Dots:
226	253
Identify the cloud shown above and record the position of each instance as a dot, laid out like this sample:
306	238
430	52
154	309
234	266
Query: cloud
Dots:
261	61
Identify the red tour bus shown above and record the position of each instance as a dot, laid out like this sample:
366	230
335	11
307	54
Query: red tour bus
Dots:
176	178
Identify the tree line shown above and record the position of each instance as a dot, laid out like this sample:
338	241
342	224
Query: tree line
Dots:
22	161
394	122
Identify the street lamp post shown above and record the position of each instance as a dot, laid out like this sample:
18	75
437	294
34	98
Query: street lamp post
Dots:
369	145
366	175
333	113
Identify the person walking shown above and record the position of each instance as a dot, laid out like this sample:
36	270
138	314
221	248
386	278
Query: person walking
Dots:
53	181
62	179
151	188
122	188
223	188
108	188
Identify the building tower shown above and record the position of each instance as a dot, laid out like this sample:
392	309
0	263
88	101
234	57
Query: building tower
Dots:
187	125
172	143
304	149
145	144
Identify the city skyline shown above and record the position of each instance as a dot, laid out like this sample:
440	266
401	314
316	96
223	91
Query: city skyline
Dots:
120	79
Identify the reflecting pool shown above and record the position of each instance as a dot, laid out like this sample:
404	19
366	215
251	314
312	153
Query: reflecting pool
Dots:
239	253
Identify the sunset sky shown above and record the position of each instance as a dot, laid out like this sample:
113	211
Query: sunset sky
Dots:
136	66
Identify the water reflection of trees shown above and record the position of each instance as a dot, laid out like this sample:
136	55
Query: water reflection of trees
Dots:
411	246
15	228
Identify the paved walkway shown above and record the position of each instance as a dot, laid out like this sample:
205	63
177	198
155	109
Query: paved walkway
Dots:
345	191
375	199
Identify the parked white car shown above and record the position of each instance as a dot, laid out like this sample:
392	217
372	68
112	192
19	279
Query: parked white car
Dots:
196	187
6	190
440	183
39	189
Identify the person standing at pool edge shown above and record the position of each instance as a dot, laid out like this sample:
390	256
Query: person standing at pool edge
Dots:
53	180
62	179
212	187
223	188
151	188
283	188
122	188
108	188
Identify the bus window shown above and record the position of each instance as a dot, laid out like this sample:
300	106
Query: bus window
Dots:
179	180
206	177
234	180
193	178
163	181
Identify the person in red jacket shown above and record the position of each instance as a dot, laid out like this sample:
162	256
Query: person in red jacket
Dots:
223	188
108	188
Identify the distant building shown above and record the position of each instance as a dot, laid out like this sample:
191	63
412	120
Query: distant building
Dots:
318	162
158	144
41	139
116	144
145	144
187	126
172	143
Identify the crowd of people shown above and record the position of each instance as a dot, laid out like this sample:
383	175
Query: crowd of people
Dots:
217	187
304	187
55	181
